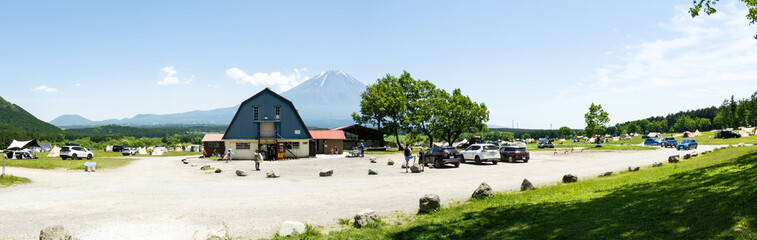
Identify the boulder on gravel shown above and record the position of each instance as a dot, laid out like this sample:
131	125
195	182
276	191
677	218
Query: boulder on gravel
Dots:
656	164
185	161
687	156
372	171
218	170
390	162
633	169
326	172
741	144
606	174
526	185
363	218
674	159
694	154
373	159
569	178
272	174
290	228
429	203
54	233
241	173
415	168
206	167
483	191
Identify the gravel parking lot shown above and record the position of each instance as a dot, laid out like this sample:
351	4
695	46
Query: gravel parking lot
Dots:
161	198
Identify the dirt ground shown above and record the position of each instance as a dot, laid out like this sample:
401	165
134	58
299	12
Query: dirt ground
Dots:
161	198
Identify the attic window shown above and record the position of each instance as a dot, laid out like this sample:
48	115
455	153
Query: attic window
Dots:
255	112
278	111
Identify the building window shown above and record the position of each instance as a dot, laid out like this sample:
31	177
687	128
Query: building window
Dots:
256	112
278	112
214	144
293	145
243	146
296	131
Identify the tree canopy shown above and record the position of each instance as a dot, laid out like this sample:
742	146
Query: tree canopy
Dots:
708	7
596	119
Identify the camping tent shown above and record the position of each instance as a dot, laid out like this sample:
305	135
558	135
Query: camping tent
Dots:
142	151
55	152
178	148
687	134
108	148
159	151
697	133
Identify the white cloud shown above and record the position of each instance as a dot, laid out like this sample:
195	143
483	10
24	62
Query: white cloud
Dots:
282	81
707	59
43	88
78	84
170	76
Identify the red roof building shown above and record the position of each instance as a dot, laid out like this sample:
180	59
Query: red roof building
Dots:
326	140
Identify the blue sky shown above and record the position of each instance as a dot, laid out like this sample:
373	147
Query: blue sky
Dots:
534	63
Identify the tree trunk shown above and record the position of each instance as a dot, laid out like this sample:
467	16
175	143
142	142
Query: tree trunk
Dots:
397	138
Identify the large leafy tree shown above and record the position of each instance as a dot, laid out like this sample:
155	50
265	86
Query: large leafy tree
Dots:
565	132
459	114
423	101
596	119
383	105
708	7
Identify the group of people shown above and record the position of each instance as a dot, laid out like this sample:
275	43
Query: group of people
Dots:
409	155
257	158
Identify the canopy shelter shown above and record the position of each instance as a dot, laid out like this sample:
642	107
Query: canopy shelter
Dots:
15	145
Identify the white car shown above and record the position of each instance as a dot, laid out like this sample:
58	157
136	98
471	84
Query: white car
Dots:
480	153
76	153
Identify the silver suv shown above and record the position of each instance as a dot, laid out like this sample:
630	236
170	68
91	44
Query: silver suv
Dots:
480	153
76	153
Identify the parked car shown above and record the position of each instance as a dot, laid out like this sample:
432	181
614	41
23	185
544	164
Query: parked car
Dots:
439	156
513	153
727	134
75	153
480	153
652	142
669	142
544	143
687	144
118	148
128	151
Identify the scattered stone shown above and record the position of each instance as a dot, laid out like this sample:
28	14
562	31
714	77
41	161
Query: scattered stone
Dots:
54	233
633	169
742	144
185	161
390	162
290	228
483	191
687	156
272	174
694	154
193	165
606	174
241	173
372	171
326	172
218	170
415	168
373	159
363	218
569	178
205	167
656	164
526	185
429	203
674	159
705	152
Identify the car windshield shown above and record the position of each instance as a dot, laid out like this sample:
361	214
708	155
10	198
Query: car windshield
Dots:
64	149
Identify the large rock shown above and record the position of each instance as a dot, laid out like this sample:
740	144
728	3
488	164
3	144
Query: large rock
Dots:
185	161
569	178
326	172
54	233
656	164
606	174
290	228
372	171
687	156
272	174
429	203
633	169
241	173
415	168
390	162
526	185
373	159
206	167
218	170
483	191
363	218
674	159
694	154
741	144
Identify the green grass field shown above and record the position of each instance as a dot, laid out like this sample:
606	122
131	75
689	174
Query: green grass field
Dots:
104	160
9	180
707	197
706	139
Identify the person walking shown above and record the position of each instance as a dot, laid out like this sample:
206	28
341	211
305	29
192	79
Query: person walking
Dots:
336	149
228	156
421	159
258	159
362	150
408	156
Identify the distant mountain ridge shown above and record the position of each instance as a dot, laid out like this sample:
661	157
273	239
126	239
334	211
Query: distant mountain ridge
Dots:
15	118
325	100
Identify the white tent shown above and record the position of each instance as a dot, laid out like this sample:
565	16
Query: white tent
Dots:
159	151
55	152
141	151
109	148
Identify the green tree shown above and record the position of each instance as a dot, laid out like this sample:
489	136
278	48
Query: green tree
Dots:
459	114
741	116
596	119
384	105
633	128
703	124
423	99
684	123
565	132
525	136
708	7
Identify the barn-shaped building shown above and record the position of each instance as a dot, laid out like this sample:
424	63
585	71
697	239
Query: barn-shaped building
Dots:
270	123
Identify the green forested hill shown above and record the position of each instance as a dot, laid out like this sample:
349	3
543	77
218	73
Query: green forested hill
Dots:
15	118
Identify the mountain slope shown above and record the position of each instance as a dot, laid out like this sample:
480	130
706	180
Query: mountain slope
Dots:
15	118
71	120
327	99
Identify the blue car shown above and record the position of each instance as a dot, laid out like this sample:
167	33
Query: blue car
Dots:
652	142
687	144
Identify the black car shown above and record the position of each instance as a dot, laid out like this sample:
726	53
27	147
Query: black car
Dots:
545	143
727	134
513	153
118	148
440	156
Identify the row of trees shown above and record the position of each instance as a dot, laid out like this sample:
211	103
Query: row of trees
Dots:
404	104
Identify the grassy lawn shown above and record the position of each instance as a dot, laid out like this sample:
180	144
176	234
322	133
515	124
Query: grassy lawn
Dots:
706	140
390	151
9	180
707	197
56	162
592	147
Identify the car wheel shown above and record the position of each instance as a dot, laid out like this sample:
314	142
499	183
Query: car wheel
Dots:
457	164
462	158
478	160
494	162
74	157
89	157
525	160
510	159
437	164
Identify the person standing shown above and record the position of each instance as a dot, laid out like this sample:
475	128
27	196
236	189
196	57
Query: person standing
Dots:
258	159
228	156
336	149
421	158
362	150
408	156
